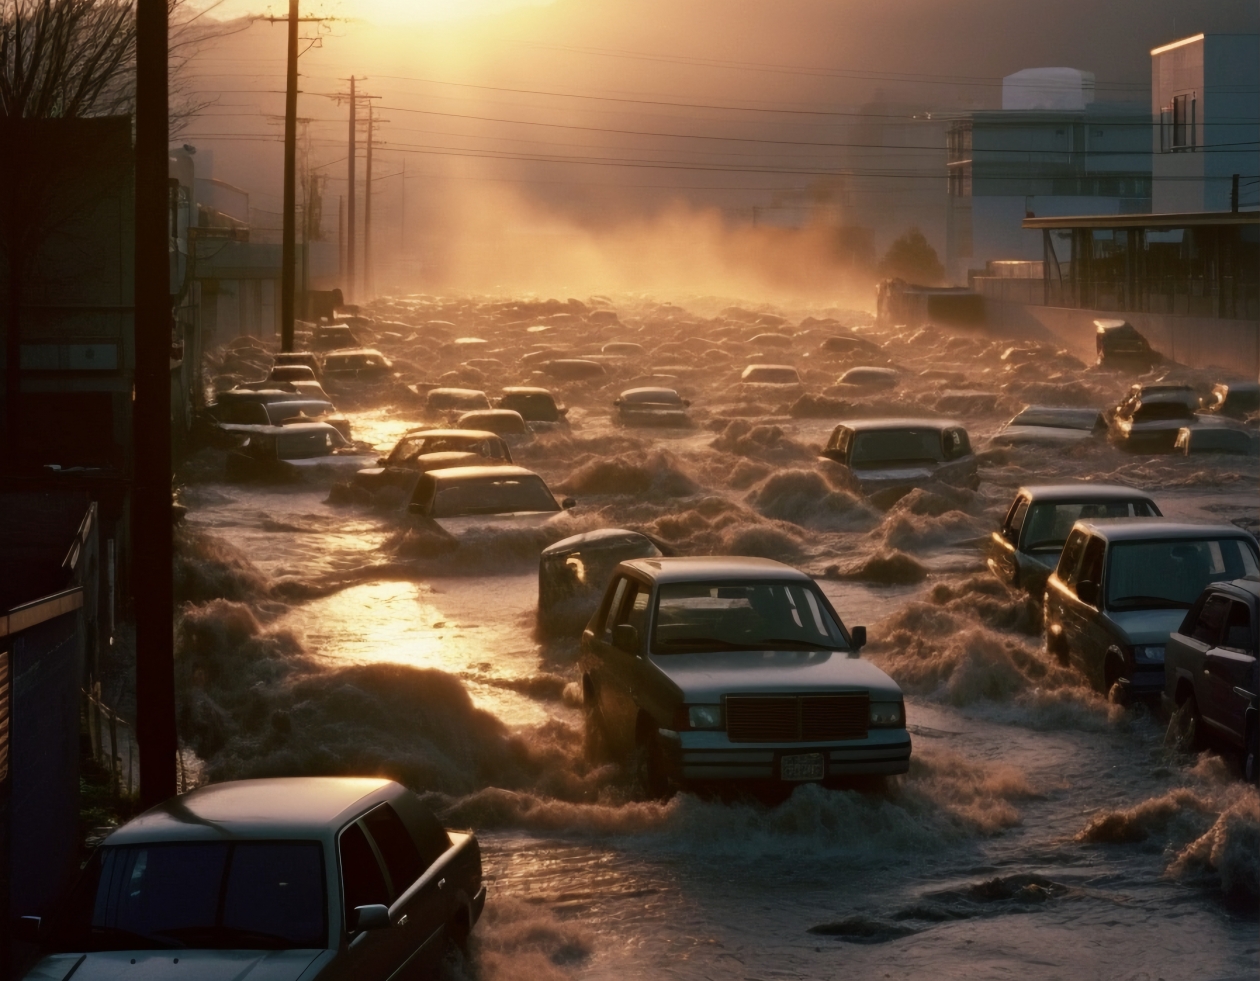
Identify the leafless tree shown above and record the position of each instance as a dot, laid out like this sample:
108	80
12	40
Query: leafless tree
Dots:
76	58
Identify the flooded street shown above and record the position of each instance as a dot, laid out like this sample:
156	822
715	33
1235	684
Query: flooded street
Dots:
1041	831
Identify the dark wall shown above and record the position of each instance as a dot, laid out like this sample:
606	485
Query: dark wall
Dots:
47	666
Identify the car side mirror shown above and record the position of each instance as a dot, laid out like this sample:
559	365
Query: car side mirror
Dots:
374	917
616	401
857	637
381	461
1087	592
568	502
29	929
415	509
626	638
687	403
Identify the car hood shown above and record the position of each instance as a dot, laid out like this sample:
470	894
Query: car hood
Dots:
892	475
194	965
707	677
1041	434
510	519
1147	626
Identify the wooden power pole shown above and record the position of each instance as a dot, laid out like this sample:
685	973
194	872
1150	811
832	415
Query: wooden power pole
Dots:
351	227
288	251
151	528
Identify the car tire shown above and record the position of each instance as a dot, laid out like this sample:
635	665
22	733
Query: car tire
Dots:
648	769
1113	672
594	734
1058	649
1185	728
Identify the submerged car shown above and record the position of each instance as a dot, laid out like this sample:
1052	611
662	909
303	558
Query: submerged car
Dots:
1217	439
1235	400
306	358
865	376
1149	422
734	669
333	337
1040	425
300	877
1122	587
890	457
574	369
573	572
1119	345
770	374
434	449
362	364
463	496
438	400
1026	549
536	405
239	416
1212	670
279	452
652	407
502	422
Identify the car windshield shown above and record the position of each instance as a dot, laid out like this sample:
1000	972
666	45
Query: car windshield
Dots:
535	408
245	895
696	616
1058	418
896	446
1047	525
1172	574
493	495
408	449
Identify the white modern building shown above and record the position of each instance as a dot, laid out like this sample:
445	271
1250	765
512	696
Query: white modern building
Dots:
1205	105
1050	150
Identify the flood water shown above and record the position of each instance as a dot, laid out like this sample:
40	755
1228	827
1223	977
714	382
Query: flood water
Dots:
1041	832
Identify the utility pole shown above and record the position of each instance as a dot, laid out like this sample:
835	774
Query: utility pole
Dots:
367	214
151	536
350	216
287	248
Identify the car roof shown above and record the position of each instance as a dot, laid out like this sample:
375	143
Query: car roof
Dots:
696	568
468	475
1157	529
1076	492
522	390
468	434
461	392
864	425
599	538
492	413
351	351
649	391
772	367
278	807
1248	584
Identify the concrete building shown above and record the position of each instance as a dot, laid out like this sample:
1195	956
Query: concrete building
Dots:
1205	105
1051	150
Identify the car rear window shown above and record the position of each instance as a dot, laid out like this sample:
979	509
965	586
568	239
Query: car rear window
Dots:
493	496
246	895
897	446
1048	524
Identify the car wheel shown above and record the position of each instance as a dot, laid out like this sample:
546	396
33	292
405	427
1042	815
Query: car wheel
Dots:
594	735
1251	754
649	769
1058	649
1185	729
1113	671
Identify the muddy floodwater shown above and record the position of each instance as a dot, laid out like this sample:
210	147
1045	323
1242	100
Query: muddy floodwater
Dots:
1041	831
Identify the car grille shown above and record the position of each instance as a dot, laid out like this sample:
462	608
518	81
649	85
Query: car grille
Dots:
797	718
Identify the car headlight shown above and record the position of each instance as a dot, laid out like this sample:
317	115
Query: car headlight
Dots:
887	714
704	716
1149	652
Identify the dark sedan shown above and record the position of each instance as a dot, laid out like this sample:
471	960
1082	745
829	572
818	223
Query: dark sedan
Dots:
1212	673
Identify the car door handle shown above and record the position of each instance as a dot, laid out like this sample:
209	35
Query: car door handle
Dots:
402	920
441	883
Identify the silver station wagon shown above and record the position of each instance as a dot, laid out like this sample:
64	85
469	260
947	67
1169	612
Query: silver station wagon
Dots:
718	669
303	877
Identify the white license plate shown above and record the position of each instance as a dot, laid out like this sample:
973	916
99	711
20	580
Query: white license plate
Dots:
804	766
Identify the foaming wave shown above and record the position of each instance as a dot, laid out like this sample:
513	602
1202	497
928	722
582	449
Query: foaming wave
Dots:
804	497
522	941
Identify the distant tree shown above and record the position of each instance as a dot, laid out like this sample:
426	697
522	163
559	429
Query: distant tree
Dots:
73	59
912	258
